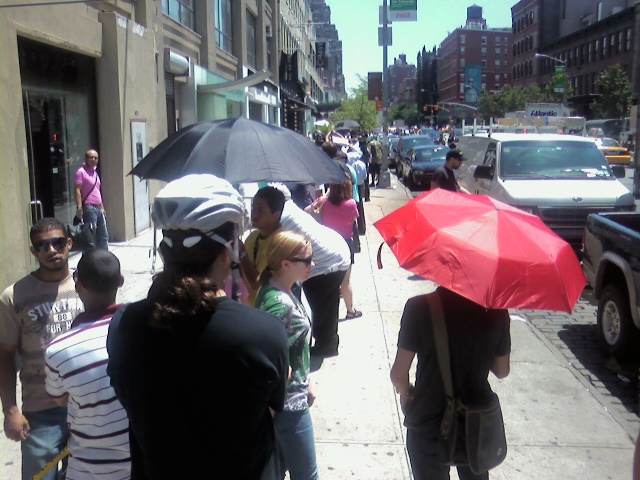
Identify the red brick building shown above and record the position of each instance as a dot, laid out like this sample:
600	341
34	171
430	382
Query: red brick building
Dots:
474	60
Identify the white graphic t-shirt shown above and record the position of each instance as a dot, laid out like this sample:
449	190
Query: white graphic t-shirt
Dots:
32	313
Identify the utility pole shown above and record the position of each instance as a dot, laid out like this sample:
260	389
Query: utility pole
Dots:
385	178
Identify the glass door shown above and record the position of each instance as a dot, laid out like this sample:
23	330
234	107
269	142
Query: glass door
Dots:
52	161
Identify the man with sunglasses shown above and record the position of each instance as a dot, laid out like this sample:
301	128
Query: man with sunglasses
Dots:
88	193
33	312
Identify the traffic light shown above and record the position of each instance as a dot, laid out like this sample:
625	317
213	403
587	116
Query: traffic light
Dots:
437	107
425	108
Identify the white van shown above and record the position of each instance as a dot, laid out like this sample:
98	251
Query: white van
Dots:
560	178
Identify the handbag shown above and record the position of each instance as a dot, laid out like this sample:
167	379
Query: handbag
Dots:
469	434
83	236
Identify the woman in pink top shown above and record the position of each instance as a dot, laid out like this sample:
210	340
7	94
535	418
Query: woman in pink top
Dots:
339	211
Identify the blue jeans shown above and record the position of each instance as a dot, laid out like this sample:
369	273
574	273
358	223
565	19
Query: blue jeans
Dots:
49	434
422	446
95	215
296	444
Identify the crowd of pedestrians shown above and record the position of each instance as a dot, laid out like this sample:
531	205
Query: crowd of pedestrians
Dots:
189	374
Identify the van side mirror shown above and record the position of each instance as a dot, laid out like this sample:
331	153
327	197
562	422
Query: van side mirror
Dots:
483	172
618	171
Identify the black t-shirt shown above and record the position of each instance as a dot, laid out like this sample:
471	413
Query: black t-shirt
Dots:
476	337
445	178
197	396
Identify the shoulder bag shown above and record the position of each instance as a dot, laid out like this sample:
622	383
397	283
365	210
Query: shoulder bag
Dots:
469	435
83	234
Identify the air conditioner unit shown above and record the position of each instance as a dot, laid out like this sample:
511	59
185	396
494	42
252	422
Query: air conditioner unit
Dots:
268	32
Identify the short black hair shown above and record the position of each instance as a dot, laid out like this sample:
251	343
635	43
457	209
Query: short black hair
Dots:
46	225
99	270
453	153
274	198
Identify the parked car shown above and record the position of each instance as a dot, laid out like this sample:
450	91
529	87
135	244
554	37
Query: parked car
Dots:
393	142
560	178
418	167
613	151
408	142
611	250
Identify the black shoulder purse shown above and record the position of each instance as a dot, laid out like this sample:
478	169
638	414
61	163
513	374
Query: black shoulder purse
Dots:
469	435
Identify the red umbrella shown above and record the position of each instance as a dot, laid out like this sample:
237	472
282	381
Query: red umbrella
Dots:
485	250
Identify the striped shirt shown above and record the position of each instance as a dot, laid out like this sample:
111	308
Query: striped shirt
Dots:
330	251
76	364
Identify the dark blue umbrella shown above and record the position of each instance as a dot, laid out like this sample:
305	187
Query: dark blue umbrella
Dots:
239	150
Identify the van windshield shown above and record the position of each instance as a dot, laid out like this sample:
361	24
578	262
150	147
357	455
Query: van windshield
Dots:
552	159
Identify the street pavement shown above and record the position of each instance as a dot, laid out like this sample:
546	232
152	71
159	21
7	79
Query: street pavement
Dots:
558	426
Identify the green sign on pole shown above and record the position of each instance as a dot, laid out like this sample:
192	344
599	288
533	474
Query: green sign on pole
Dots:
558	79
403	10
403	5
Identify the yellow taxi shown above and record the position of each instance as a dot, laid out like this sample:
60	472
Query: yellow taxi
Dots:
613	152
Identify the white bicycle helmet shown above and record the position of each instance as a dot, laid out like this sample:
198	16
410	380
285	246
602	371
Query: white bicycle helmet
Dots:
202	202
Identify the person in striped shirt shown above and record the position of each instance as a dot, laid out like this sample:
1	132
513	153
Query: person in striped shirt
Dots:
76	369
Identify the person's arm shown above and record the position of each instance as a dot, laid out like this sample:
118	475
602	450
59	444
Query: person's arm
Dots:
636	460
78	195
461	188
249	271
16	426
500	366
400	376
62	401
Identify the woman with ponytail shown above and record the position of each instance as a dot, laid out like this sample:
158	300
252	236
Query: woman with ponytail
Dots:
289	261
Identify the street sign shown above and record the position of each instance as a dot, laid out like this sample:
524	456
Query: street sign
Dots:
558	79
385	40
403	10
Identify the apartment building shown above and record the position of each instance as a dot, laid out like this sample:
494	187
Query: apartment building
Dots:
473	60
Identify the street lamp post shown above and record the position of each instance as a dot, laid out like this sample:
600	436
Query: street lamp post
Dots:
564	83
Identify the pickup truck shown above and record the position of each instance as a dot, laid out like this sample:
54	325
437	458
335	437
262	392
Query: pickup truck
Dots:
611	263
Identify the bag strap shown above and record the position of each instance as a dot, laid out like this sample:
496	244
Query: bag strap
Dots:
92	189
441	341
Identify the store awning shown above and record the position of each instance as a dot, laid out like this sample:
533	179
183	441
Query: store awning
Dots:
240	83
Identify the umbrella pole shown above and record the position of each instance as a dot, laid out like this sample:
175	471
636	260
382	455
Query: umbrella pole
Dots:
235	267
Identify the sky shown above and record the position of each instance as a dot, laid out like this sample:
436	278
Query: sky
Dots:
357	22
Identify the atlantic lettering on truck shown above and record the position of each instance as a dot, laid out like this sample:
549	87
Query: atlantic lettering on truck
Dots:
560	178
533	110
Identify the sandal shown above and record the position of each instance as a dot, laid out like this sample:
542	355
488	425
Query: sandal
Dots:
354	314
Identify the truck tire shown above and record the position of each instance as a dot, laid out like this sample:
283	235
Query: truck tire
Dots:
615	325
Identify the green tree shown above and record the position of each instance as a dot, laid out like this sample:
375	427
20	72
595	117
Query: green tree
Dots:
407	112
358	107
616	92
513	99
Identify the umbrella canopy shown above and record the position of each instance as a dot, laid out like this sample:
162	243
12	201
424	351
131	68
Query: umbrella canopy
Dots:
487	251
239	150
322	123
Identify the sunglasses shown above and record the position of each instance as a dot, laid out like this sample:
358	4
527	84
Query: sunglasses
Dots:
306	260
43	246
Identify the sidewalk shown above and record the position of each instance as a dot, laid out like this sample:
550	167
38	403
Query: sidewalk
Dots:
556	428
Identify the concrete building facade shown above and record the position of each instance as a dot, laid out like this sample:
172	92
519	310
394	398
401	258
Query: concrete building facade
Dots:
118	77
402	75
